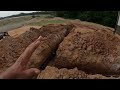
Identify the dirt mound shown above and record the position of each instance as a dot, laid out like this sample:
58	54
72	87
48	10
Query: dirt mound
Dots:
89	25
64	73
12	48
16	32
91	50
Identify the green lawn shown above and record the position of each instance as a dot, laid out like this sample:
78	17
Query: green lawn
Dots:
45	22
12	23
9	21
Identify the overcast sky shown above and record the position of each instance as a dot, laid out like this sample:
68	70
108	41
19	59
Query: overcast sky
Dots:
8	13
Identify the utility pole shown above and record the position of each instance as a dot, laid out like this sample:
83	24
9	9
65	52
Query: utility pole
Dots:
117	27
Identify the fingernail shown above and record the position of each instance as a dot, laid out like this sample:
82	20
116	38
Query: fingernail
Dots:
38	42
37	71
39	37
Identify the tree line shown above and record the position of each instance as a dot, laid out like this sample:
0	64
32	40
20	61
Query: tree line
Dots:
107	18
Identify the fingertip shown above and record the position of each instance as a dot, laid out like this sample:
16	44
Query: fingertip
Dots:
37	71
39	37
38	42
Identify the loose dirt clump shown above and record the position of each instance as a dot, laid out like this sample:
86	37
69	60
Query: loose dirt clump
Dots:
64	73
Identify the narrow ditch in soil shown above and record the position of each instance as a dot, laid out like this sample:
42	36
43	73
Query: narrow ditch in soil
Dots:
52	55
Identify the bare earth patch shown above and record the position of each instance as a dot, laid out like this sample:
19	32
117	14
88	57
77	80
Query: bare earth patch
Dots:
82	50
16	32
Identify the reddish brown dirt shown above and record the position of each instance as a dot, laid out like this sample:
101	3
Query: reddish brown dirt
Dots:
12	48
17	32
64	73
91	50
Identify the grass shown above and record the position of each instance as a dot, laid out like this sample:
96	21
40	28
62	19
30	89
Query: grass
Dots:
9	21
13	23
10	27
46	22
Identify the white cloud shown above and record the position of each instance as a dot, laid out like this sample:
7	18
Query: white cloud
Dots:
8	13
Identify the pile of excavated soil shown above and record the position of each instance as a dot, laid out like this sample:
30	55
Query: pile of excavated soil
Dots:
64	73
83	51
92	50
89	25
12	48
16	32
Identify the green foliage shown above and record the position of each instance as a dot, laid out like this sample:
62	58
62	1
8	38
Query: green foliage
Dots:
107	18
46	22
33	16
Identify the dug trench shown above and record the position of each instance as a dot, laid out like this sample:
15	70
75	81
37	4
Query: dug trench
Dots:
12	48
69	51
94	50
50	60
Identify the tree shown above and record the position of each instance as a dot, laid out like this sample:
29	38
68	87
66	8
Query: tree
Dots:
107	18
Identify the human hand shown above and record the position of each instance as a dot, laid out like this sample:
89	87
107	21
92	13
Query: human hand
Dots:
19	69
